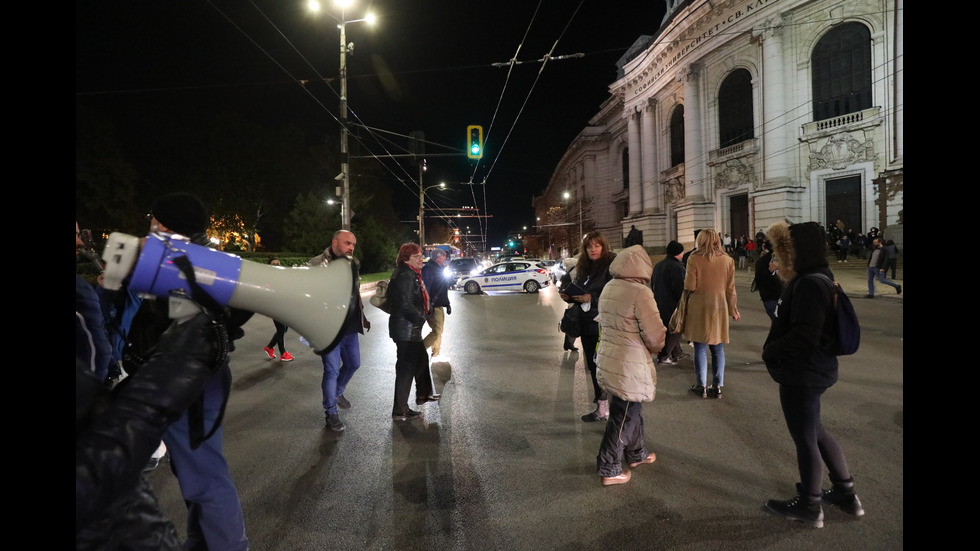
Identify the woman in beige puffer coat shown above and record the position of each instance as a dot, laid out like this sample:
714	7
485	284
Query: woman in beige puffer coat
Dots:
631	335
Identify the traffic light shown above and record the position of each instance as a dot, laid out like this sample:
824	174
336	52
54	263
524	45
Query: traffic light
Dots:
474	141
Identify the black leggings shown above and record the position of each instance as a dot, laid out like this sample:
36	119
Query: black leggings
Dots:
814	445
278	339
589	343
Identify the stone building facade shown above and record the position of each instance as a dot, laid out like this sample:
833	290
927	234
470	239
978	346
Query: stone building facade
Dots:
737	114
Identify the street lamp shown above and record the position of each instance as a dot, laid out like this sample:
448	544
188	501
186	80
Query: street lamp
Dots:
314	6
422	191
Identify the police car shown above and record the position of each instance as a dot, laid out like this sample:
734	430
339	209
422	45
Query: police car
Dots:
515	275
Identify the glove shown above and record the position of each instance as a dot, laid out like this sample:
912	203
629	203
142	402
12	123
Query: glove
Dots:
449	309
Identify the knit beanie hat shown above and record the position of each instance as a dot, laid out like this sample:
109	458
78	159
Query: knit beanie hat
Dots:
182	213
674	248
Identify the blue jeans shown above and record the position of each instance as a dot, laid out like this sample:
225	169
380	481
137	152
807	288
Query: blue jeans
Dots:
339	366
214	512
874	273
717	363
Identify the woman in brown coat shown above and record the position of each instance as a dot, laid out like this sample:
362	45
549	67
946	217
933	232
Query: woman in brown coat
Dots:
711	280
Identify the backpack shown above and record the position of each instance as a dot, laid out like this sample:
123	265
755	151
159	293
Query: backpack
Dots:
848	328
380	298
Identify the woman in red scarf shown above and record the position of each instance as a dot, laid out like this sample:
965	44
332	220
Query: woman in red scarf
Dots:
410	306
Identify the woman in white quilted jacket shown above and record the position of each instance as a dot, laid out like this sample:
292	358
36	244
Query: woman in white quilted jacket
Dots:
632	335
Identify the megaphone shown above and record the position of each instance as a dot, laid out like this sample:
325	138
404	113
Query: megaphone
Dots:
314	301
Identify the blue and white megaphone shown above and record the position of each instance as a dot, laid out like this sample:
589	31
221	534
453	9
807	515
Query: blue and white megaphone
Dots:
314	301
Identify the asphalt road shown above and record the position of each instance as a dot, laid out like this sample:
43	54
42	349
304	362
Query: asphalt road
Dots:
504	462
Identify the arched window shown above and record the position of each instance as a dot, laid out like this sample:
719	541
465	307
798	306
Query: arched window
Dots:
626	168
677	136
735	108
842	72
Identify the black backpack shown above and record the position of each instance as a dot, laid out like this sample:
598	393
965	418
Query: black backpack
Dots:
848	329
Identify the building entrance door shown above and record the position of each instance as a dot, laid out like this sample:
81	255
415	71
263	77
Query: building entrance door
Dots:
739	213
844	203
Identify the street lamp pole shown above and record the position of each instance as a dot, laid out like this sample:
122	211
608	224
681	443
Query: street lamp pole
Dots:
422	169
422	205
344	154
314	6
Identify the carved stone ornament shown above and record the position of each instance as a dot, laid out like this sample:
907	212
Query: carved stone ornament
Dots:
841	151
734	174
674	190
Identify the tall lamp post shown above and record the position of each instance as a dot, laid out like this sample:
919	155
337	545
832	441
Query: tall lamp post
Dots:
422	191
314	6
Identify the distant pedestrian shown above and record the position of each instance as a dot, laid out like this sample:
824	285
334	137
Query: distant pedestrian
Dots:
667	283
843	246
279	337
891	257
876	269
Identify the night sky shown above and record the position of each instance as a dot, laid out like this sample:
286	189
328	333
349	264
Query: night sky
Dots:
426	65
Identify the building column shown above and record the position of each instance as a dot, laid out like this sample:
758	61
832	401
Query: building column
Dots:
651	197
694	156
775	167
636	156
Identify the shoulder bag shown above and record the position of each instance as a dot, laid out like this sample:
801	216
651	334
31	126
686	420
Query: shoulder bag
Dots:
676	324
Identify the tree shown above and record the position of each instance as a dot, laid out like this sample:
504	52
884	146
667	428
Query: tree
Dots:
310	226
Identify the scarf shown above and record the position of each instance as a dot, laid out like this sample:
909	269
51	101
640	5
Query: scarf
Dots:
425	292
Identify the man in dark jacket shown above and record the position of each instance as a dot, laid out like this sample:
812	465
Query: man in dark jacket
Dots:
194	442
800	355
116	434
340	363
434	277
667	283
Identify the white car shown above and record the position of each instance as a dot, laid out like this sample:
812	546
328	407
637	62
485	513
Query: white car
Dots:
516	275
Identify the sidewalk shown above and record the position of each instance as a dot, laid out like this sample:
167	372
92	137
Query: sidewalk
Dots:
852	276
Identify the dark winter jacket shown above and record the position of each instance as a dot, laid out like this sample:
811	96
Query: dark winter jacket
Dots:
436	284
770	287
407	305
797	351
668	285
594	284
116	434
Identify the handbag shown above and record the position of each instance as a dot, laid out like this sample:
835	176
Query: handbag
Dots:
676	324
570	323
380	297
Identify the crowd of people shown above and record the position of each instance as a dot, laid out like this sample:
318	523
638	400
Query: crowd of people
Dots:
176	377
636	301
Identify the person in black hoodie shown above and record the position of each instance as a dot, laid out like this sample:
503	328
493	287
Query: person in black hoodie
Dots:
767	280
799	355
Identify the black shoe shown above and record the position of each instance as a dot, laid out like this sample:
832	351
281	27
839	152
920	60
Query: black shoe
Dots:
412	414
681	356
699	390
869	296
430	398
714	392
593	417
898	290
842	495
667	361
334	423
342	402
154	462
806	510
110	380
